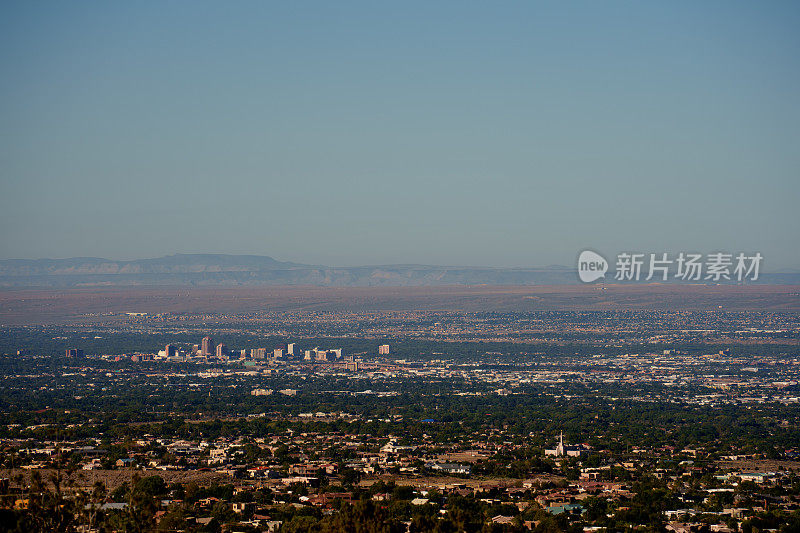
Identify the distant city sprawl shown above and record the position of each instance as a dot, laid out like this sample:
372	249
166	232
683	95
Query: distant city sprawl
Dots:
322	421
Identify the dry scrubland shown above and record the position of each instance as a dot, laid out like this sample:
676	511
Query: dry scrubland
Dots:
81	305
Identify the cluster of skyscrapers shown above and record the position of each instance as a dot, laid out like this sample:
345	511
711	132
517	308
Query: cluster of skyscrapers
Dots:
208	348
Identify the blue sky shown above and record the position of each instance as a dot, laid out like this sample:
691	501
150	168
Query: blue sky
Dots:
507	134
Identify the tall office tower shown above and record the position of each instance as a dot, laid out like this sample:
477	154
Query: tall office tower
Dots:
277	353
222	350
290	349
74	352
171	350
207	346
383	349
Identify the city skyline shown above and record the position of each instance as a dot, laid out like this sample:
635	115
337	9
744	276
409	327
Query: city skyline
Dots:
415	267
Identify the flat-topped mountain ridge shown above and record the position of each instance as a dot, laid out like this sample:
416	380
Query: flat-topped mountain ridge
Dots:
222	269
244	270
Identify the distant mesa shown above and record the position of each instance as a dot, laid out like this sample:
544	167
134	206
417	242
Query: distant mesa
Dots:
259	270
243	270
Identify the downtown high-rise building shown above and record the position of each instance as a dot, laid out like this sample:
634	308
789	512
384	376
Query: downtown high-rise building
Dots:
207	346
74	352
